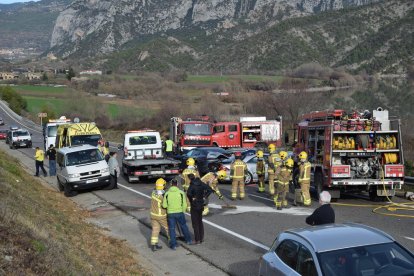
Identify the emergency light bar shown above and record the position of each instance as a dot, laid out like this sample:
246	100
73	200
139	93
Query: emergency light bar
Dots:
341	171
394	170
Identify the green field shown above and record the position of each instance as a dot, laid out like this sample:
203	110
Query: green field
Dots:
38	88
227	78
35	104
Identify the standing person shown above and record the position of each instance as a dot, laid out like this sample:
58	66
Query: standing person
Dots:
304	178
211	179
197	194
238	171
274	162
260	171
324	214
106	152
113	170
284	177
51	155
191	169
175	202
169	147
158	213
40	157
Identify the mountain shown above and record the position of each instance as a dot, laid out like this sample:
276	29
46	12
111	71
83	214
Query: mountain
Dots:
30	24
95	27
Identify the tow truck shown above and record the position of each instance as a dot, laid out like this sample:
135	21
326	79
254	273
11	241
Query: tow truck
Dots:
144	158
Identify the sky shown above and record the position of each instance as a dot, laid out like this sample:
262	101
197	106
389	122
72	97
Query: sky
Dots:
13	1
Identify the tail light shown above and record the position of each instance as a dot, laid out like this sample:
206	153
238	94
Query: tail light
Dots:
138	173
394	170
341	171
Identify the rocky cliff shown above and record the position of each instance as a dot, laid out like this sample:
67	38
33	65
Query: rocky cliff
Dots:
90	27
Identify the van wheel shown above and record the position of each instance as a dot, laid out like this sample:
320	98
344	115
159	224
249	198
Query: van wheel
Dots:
110	186
68	191
60	185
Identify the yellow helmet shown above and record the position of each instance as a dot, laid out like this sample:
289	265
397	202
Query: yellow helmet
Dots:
221	174
272	147
190	162
303	155
290	163
259	154
283	155
160	184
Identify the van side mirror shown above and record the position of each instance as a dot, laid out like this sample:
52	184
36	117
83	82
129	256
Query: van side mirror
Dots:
120	147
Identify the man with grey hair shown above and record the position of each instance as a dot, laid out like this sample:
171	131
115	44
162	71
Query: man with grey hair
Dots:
324	214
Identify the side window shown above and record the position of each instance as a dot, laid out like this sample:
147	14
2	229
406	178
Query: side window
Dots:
306	264
232	128
287	251
219	128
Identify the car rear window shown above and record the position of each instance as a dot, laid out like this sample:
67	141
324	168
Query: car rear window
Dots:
143	140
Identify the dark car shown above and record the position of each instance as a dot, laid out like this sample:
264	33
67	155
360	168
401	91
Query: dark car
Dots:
207	158
1	122
3	134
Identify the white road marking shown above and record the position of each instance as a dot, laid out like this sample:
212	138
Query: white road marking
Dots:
11	117
260	197
295	211
228	231
409	238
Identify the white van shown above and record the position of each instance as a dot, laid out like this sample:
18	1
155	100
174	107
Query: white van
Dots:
81	167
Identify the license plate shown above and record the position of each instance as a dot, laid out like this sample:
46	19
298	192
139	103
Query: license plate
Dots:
157	172
91	181
22	144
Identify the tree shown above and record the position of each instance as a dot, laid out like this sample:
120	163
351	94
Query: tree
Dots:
70	74
45	77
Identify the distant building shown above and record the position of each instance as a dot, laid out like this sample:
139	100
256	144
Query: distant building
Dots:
91	72
33	76
51	57
8	76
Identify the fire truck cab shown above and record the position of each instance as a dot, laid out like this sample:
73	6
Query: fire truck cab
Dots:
192	132
353	152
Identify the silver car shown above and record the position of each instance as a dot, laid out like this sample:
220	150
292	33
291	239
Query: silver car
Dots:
336	250
250	159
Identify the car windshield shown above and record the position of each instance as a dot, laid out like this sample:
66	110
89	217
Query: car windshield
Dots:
197	129
85	140
20	133
51	131
142	140
379	260
83	157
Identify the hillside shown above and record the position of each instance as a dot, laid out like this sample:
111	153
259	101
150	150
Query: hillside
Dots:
375	38
29	25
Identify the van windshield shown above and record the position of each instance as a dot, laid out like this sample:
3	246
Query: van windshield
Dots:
83	157
85	140
197	129
52	131
20	133
142	140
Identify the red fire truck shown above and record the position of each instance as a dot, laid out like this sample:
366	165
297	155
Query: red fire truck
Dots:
192	132
353	152
248	133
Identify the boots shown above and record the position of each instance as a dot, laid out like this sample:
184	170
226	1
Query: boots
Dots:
156	247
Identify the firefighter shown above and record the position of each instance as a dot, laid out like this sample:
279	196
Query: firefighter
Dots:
191	169
284	177
260	171
158	213
238	171
272	167
304	178
211	179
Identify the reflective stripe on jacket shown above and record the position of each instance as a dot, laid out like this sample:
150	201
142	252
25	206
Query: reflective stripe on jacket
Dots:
238	169
304	171
156	205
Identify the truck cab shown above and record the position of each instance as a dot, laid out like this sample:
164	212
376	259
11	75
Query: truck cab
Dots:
142	144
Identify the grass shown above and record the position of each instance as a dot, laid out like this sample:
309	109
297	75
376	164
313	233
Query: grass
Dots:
35	104
44	233
209	79
38	88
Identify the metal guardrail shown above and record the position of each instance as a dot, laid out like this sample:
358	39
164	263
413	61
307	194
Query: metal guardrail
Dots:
409	181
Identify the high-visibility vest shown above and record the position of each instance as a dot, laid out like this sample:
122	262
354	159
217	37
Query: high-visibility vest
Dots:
40	155
169	144
156	205
238	168
304	171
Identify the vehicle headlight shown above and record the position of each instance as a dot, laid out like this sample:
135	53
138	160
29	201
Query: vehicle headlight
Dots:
75	175
105	170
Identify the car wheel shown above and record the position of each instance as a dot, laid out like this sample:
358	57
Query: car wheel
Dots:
248	179
60	185
68	191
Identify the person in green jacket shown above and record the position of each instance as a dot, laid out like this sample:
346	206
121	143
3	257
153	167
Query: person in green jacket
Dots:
176	204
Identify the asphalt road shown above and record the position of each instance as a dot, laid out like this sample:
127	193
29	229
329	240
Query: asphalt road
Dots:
236	238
